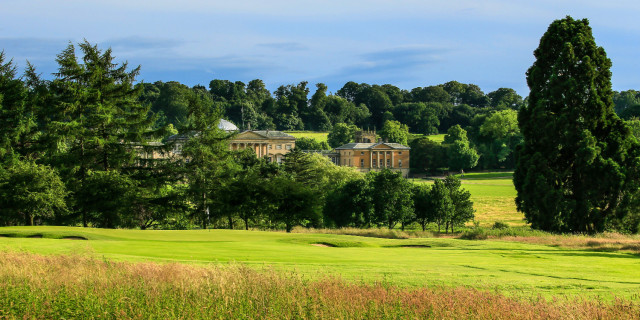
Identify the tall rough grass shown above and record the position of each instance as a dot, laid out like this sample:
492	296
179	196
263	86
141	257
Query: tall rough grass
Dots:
606	241
56	287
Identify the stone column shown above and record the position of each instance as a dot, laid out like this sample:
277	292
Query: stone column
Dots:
392	159
378	160
385	159
370	159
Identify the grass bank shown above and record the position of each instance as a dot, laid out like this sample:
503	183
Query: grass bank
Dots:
493	196
57	287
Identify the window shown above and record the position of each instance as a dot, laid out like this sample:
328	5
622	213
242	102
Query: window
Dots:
399	152
349	162
362	163
388	162
278	146
269	147
388	153
362	153
399	163
381	163
288	147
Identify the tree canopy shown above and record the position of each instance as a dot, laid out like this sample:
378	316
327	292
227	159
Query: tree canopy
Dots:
577	170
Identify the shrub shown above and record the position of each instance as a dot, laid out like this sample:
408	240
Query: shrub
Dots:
474	234
500	225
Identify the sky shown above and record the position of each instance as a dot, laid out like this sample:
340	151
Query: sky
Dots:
406	43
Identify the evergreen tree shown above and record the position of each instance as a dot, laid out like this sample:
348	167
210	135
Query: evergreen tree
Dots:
578	168
205	153
17	120
96	119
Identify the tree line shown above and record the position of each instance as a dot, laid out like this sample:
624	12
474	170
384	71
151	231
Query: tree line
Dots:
402	116
77	150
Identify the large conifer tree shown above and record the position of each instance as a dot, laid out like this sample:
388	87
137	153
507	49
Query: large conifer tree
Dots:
577	170
96	119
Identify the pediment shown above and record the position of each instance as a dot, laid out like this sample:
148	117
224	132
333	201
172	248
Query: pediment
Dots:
381	146
249	136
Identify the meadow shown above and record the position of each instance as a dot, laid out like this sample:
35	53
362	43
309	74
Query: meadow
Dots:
68	287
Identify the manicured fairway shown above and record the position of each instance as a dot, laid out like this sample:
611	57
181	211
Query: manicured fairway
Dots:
513	268
493	196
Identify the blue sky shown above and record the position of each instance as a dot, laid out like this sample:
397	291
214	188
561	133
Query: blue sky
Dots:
407	43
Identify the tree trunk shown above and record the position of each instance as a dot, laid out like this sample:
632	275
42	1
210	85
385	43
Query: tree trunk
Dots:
246	224
230	217
83	176
205	214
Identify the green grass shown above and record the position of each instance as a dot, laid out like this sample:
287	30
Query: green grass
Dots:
493	196
510	267
70	286
437	137
319	136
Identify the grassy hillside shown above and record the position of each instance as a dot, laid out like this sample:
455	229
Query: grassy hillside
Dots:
319	136
509	267
493	196
437	137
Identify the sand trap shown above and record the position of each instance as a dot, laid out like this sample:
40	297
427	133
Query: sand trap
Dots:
325	245
35	236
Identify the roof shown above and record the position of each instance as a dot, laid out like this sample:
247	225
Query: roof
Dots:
227	125
271	134
355	145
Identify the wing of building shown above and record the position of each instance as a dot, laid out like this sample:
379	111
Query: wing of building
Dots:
266	143
373	156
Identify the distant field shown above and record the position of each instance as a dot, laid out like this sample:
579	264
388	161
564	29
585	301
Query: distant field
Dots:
493	195
319	136
437	137
513	268
322	136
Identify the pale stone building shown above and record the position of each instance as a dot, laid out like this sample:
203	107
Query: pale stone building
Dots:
374	156
266	143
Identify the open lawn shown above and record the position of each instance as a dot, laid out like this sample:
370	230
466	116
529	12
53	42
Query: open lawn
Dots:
493	196
514	268
436	137
319	136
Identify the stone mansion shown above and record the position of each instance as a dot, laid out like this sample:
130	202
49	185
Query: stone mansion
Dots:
365	154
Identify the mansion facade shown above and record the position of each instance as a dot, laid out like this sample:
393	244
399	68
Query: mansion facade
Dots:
365	154
268	143
374	156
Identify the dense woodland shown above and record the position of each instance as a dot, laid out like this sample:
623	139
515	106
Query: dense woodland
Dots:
489	121
72	151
